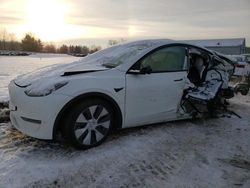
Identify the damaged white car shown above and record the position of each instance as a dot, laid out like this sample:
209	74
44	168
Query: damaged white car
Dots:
127	85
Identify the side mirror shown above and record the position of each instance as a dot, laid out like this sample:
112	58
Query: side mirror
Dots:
146	70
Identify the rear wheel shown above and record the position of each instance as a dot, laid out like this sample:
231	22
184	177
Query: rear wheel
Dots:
88	123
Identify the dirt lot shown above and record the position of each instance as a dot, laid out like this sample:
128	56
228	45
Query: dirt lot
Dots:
193	153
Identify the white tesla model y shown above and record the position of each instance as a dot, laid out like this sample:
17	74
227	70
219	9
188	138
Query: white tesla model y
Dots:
127	85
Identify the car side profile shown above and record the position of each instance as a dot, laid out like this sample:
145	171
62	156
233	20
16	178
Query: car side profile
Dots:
127	85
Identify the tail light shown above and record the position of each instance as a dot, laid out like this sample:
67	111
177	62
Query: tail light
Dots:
240	66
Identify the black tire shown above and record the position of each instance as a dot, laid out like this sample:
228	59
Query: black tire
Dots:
88	123
244	91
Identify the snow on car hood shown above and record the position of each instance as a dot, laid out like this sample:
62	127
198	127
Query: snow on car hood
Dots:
54	72
48	79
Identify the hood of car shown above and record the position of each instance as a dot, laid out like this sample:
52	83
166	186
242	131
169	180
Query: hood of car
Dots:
57	72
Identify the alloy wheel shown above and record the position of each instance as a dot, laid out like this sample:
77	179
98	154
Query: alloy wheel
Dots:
92	125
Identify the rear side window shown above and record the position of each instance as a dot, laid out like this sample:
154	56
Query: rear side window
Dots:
166	60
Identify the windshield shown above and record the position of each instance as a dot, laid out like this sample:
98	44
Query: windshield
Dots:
117	55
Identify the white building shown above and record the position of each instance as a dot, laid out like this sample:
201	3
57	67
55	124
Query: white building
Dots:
232	46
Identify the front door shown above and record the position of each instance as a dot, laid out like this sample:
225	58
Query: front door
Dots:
154	97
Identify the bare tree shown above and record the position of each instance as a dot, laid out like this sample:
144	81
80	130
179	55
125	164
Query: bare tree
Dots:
3	34
8	41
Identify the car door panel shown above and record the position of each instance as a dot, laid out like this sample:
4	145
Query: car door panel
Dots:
153	97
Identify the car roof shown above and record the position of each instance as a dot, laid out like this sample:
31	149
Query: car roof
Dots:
154	43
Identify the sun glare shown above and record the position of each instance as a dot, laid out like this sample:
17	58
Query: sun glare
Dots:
52	21
132	31
47	19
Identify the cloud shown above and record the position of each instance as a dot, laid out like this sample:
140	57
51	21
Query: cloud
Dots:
163	18
147	18
10	20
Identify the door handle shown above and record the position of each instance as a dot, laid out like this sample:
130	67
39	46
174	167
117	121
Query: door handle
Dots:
178	80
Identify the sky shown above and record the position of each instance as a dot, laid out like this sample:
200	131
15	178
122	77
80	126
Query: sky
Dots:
97	21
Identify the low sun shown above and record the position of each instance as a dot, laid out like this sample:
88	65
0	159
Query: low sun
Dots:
52	21
47	18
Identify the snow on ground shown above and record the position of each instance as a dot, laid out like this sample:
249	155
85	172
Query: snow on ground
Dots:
193	153
12	66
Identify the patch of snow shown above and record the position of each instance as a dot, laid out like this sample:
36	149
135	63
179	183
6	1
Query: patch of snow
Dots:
193	153
11	67
43	88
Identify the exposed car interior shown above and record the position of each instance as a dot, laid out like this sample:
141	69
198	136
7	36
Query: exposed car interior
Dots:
197	69
207	95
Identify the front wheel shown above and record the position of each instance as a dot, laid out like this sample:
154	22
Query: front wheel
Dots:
88	123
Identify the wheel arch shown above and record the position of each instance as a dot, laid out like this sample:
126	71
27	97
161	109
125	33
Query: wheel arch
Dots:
67	106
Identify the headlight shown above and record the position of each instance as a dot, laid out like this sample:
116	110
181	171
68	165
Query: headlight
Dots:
43	90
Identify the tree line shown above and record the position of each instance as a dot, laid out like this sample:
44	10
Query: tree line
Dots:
30	43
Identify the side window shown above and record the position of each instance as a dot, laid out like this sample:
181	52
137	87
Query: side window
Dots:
166	59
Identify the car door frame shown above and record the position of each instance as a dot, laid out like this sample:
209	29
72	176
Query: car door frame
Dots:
158	72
